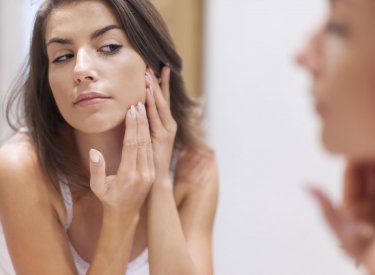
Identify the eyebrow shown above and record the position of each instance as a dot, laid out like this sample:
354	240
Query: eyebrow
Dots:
94	35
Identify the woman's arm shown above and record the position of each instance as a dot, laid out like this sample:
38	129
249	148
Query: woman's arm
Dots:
35	237
180	239
179	242
36	240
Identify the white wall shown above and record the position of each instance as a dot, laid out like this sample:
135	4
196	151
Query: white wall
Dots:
16	17
261	123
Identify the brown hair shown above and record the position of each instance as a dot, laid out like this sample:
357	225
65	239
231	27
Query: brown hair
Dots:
149	36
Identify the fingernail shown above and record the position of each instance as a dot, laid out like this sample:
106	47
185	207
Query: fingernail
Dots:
94	156
133	112
141	108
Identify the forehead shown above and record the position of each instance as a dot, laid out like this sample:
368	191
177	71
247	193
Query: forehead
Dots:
78	17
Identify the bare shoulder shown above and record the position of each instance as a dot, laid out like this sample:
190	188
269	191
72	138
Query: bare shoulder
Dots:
196	167
17	159
22	175
17	148
31	224
196	175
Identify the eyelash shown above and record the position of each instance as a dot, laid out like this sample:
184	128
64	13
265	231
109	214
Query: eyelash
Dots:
114	48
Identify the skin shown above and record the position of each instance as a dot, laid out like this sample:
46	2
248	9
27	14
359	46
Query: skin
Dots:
340	57
126	141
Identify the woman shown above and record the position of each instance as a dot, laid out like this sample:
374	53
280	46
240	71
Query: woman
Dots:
108	174
341	60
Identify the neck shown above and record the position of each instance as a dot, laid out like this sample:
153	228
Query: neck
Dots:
109	143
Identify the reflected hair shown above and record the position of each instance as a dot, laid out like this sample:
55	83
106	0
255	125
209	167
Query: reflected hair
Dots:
31	103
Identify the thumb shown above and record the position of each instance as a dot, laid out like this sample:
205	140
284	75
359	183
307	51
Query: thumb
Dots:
97	172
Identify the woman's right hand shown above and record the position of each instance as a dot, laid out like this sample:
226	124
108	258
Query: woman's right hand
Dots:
354	221
127	190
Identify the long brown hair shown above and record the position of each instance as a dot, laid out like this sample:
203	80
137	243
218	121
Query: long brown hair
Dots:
148	35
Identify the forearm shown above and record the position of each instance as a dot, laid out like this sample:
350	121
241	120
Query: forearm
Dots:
114	245
167	245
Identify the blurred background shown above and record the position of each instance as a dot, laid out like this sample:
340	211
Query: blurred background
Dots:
239	56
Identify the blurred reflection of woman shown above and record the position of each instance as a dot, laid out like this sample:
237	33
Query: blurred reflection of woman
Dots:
341	59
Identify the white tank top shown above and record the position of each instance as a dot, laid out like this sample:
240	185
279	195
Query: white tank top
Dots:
138	266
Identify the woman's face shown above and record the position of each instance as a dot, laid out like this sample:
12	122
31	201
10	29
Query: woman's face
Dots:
94	73
341	59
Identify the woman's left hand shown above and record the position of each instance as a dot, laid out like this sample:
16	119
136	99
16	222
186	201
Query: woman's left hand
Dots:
163	127
353	222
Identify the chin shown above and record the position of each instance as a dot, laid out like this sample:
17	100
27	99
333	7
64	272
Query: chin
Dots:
333	144
97	126
346	148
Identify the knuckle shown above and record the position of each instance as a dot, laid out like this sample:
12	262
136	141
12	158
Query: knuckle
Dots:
131	143
145	177
174	126
144	143
132	177
152	176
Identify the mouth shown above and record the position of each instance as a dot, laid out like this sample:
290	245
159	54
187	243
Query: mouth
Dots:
90	98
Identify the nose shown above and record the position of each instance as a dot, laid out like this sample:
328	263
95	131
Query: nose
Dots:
83	69
310	55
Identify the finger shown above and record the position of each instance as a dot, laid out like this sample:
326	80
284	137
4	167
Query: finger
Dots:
97	172
354	187
130	143
356	237
370	181
152	112
165	83
365	231
331	213
162	105
144	140
363	210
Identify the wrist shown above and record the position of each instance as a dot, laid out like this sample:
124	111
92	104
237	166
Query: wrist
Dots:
164	182
120	216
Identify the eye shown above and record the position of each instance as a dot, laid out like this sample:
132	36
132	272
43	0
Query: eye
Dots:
336	28
62	58
110	49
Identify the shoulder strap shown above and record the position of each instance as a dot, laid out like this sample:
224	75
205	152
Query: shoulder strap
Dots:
67	197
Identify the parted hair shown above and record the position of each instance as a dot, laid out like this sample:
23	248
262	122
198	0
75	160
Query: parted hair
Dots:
31	104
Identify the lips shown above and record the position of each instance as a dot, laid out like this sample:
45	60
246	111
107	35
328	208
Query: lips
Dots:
89	96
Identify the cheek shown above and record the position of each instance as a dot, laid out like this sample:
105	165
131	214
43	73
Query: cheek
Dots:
129	82
349	94
59	86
